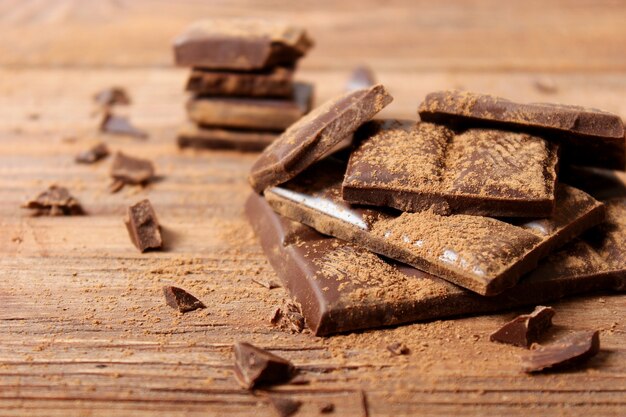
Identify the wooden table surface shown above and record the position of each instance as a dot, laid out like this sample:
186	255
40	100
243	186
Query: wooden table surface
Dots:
83	326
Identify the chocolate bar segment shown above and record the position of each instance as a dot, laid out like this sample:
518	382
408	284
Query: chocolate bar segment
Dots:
55	201
316	135
587	136
240	44
143	226
251	113
482	254
343	287
276	82
198	137
419	166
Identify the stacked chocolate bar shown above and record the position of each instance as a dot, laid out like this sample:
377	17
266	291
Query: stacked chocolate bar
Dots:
463	212
242	83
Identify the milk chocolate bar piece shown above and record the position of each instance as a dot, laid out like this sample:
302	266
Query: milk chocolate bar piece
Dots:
251	113
419	166
255	366
199	137
181	300
55	201
570	350
143	227
276	82
240	44
131	170
343	287
316	135
482	254
526	329
587	136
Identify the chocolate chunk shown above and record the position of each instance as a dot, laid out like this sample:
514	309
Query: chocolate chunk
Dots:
55	201
93	154
419	166
361	77
398	348
284	406
240	44
143	227
181	300
288	317
120	125
587	136
343	287
198	137
315	136
112	96
566	352
275	82
327	408
256	367
251	113
526	329
482	254
130	170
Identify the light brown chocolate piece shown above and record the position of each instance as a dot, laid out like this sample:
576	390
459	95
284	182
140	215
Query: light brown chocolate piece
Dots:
419	166
257	367
284	406
93	154
120	125
143	227
276	82
315	136
198	137
130	170
181	300
564	353
55	201
526	329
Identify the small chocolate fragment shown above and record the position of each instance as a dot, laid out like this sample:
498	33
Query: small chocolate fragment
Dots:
251	113
143	227
130	170
180	299
361	77
398	348
256	367
315	136
587	136
199	137
120	125
276	82
288	317
112	96
526	329
240	44
565	352
327	408
93	154
270	284
55	201
284	406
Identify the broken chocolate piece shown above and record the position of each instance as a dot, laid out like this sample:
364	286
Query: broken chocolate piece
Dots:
288	317
255	367
93	154
284	406
526	329
587	136
240	44
251	113
180	299
143	227
398	348
55	201
327	408
361	77
343	287
482	254
112	96
419	166
199	137
565	352
120	125
276	82
130	170
315	136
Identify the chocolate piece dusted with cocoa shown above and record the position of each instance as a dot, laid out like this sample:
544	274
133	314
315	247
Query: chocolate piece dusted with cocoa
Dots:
288	317
275	114
199	137
284	406
240	44
565	352
112	96
587	136
143	227
120	125
343	287
526	329
482	254
130	170
419	166
256	367
93	154
55	201
398	348
275	82
315	136
361	77
181	300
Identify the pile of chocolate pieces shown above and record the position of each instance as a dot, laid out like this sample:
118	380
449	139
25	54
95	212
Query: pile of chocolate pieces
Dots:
483	205
242	83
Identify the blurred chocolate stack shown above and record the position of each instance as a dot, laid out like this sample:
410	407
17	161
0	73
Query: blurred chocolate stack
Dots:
242	83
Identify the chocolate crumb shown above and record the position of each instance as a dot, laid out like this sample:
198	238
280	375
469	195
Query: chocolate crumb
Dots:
93	154
255	366
120	125
112	96
570	350
143	227
130	170
327	408
288	317
55	201
284	406
398	348
180	299
526	329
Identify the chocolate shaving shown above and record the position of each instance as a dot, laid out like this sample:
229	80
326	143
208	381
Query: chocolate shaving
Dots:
398	348
526	329
143	227
257	367
93	154
180	299
129	170
120	125
55	201
568	351
284	406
